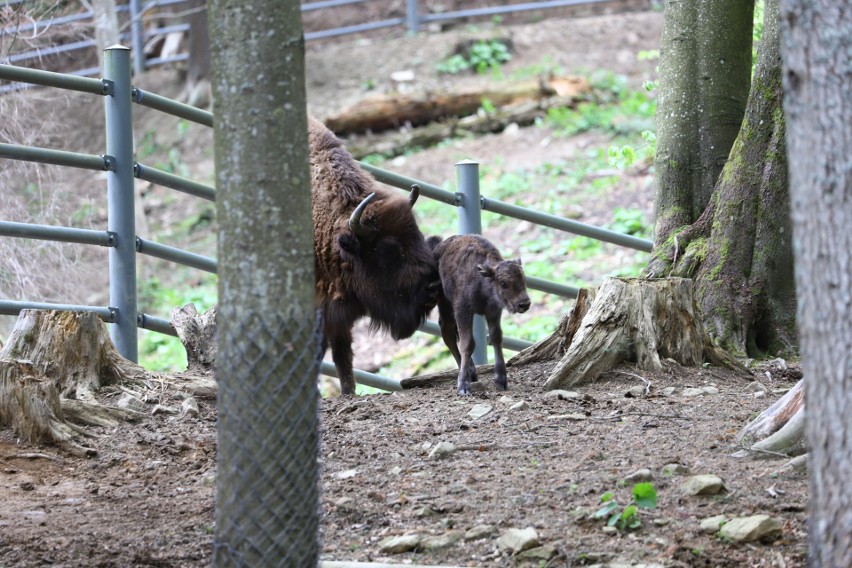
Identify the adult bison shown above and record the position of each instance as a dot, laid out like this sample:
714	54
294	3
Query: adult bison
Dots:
371	258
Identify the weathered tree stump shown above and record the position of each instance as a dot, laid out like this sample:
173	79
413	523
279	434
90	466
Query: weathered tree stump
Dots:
628	319
50	370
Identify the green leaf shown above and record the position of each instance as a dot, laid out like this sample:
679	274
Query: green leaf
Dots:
606	510
645	495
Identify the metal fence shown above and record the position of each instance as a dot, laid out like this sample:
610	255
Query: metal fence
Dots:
123	242
132	15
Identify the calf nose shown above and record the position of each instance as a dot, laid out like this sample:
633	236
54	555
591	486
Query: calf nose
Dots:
524	305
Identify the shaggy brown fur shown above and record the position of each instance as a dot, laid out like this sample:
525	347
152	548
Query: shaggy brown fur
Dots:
476	280
388	273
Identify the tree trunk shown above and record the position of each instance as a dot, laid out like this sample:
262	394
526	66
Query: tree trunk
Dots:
54	356
705	65
197	91
631	320
268	338
105	18
739	250
817	41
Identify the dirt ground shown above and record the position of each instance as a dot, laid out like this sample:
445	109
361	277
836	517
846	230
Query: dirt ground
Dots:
146	498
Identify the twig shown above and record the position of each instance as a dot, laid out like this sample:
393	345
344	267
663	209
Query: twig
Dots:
32	456
643	379
494	446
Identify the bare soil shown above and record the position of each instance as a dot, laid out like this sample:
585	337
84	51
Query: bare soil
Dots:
146	498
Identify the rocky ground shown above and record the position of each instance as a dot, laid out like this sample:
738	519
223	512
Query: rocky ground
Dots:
425	476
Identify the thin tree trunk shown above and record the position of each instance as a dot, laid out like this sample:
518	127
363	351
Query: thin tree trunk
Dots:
267	495
817	41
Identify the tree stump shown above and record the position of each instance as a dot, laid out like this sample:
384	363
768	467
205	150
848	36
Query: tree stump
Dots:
50	370
628	319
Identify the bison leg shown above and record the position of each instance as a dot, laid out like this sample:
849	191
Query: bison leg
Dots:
467	369
449	331
341	353
495	333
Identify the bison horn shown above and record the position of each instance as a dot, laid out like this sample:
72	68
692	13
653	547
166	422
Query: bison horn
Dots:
355	219
415	193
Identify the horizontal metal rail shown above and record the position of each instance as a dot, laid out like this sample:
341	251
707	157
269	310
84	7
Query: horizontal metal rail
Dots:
432	328
354	29
552	287
173	181
56	157
328	4
59	234
10	308
403	182
163	60
149	322
46	51
566	225
51	79
364	378
177	255
174	108
496	10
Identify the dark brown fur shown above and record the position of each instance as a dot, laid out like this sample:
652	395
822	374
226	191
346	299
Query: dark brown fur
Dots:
389	276
476	280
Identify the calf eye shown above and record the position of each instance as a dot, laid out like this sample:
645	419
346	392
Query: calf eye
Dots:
504	285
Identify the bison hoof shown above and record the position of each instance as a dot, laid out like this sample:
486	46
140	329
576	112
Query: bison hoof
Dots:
500	386
464	388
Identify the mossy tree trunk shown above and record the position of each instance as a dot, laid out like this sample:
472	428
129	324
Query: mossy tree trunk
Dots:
738	250
705	68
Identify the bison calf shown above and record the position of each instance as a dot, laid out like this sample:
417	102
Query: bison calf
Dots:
476	280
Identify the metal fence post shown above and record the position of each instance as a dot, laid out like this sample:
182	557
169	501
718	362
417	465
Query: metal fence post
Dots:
470	222
412	16
120	209
137	34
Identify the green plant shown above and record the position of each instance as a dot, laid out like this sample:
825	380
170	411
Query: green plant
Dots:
483	56
644	497
629	222
487	55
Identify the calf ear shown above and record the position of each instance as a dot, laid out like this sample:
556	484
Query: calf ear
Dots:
486	270
350	247
518	260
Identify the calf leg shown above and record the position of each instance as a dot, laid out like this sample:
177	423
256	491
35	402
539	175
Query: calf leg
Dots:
449	331
467	369
495	333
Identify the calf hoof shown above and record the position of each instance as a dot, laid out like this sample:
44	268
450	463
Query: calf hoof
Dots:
501	385
464	387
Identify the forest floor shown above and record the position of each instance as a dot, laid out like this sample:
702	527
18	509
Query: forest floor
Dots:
147	497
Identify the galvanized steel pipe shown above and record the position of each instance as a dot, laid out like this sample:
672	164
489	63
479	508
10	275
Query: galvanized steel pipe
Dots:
120	201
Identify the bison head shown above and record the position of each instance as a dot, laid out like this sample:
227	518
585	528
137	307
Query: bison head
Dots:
509	284
394	275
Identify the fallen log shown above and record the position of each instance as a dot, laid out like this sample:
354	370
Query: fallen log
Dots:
395	110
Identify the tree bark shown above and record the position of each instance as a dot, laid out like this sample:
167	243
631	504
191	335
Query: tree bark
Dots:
705	65
637	320
268	338
817	40
53	357
739	251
